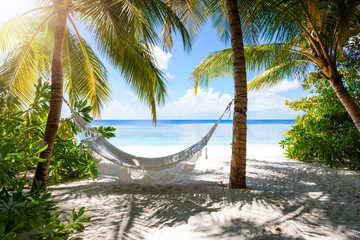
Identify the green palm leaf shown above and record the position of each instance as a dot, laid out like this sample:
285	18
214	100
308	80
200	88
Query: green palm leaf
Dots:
85	75
276	61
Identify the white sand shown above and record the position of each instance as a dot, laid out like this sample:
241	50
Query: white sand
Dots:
305	201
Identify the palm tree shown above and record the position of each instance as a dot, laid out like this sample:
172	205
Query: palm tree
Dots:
121	30
304	34
238	159
230	18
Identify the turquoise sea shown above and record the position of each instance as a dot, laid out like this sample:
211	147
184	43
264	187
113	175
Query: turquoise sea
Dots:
187	132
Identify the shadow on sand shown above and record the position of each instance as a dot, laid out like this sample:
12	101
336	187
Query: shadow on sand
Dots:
306	201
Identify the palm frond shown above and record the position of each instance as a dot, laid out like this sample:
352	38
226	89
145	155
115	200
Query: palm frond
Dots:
313	9
275	74
126	52
22	68
193	13
86	76
26	62
218	18
216	65
276	61
15	30
171	23
280	20
43	2
250	23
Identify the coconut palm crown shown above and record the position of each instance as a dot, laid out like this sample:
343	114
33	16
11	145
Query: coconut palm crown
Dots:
47	42
121	32
302	34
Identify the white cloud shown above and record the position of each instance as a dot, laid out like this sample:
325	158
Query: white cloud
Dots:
162	58
266	101
205	104
116	110
269	105
284	86
169	75
132	96
170	92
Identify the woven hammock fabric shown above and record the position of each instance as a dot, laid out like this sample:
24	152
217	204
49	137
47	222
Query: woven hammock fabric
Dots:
133	169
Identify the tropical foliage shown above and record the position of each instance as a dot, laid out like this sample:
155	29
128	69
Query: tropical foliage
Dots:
302	34
122	31
28	213
31	213
21	140
325	133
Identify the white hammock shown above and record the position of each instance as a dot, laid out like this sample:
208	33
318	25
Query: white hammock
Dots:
129	168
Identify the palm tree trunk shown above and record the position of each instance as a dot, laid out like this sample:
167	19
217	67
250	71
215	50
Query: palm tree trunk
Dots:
346	99
53	119
238	160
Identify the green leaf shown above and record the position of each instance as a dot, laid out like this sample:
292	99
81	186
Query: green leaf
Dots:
81	211
79	227
39	159
17	119
42	149
9	236
45	196
4	220
74	215
55	217
5	149
51	226
84	219
18	227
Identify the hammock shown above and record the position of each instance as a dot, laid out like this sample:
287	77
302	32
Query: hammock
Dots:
133	169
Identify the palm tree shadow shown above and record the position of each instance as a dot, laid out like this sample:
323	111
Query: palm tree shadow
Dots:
308	197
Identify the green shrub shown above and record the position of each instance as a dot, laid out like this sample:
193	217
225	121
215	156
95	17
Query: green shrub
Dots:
21	133
325	133
25	211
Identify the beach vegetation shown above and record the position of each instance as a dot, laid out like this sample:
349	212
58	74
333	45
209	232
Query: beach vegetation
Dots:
29	213
48	41
299	35
21	135
325	133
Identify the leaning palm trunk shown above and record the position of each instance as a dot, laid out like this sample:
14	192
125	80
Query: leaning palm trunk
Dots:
53	119
238	161
346	99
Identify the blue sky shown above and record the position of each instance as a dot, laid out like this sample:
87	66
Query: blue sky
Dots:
210	102
181	102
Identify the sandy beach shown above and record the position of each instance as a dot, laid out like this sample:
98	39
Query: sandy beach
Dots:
285	199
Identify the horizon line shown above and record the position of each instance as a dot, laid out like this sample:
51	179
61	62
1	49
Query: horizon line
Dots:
277	119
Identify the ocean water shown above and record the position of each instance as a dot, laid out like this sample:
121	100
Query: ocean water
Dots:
187	132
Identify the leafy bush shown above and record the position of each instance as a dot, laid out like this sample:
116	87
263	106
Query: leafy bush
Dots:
24	211
21	133
325	133
19	142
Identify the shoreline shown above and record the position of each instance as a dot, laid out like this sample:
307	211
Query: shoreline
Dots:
305	201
